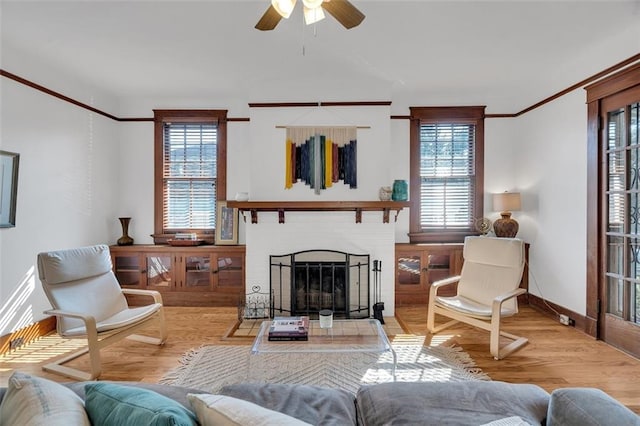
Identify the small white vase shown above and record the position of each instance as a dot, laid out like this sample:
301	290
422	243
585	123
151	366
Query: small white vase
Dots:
385	193
242	196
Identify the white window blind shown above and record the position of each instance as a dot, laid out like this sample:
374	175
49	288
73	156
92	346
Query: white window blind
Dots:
447	176
189	176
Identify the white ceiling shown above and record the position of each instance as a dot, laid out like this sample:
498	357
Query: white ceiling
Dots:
505	54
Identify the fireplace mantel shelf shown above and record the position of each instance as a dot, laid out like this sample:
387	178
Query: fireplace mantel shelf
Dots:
253	207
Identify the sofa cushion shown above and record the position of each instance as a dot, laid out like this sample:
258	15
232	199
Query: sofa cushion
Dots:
32	401
222	410
508	421
311	404
586	407
176	393
451	403
111	404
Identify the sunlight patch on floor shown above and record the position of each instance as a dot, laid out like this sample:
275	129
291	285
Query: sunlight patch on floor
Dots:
44	349
441	339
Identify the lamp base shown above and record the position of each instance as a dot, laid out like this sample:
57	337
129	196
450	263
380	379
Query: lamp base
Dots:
505	227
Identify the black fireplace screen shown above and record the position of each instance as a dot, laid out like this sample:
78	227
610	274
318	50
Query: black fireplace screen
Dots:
306	282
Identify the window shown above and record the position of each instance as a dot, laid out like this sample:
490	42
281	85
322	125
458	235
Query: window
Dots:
190	171
447	156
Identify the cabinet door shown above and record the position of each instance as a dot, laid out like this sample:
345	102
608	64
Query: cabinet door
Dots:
441	265
197	270
159	271
409	268
128	269
229	272
419	266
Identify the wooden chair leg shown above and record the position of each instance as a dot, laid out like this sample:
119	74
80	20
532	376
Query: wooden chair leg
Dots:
163	326
494	347
73	373
431	316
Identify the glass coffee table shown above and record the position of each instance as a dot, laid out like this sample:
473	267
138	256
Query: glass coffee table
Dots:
349	335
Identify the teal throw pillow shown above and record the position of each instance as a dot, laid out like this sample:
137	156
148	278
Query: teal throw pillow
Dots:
110	404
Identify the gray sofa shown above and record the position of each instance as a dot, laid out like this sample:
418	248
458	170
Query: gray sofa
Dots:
455	403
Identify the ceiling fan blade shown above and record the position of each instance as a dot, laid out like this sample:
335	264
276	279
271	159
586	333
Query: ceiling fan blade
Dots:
269	20
344	12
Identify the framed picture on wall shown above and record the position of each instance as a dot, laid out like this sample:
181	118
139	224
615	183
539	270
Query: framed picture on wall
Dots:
226	224
8	188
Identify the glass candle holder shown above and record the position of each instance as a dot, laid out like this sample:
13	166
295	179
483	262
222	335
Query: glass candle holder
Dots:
326	318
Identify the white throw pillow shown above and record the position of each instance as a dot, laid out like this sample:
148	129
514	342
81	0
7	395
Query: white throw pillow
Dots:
34	401
508	421
221	410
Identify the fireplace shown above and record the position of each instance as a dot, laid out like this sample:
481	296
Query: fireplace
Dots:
303	283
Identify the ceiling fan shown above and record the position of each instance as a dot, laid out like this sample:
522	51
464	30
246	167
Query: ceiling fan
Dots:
342	10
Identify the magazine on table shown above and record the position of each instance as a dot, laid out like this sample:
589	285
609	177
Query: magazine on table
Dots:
289	328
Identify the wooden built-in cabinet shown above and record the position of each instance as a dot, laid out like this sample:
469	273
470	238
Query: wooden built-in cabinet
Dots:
186	276
419	265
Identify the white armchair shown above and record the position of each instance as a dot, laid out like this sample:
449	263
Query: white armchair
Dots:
487	291
88	303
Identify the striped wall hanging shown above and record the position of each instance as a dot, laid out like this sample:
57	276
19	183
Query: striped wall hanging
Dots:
321	156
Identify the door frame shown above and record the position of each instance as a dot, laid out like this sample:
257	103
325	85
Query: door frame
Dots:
599	97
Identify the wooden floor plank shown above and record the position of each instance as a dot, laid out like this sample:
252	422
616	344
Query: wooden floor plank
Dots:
556	356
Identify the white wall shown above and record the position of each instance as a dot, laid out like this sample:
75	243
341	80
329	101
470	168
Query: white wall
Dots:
549	151
552	159
135	159
66	192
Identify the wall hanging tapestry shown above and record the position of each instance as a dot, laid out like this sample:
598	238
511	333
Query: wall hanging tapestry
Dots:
321	156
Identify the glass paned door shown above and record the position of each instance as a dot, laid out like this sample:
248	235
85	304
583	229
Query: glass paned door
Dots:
621	149
230	273
128	270
197	272
159	271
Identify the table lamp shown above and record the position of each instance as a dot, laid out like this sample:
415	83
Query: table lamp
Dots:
505	203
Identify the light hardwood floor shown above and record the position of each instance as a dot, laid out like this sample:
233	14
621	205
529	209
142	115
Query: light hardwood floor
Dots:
556	356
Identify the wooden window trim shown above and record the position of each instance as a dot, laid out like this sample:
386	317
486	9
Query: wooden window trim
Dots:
418	115
162	116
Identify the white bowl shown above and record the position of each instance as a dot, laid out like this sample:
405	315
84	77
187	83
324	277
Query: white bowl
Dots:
242	196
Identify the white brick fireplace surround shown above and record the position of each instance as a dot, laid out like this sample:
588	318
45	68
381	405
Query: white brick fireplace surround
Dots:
321	230
264	174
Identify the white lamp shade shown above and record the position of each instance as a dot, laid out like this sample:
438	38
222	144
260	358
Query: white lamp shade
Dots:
311	16
312	4
283	7
506	202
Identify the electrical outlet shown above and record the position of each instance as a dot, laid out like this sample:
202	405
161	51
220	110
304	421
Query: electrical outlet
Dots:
564	319
16	343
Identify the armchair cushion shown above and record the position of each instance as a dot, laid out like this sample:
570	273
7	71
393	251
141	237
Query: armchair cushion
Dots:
121	319
492	266
69	265
464	305
81	281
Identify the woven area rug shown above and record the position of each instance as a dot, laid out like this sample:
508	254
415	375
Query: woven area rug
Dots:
209	368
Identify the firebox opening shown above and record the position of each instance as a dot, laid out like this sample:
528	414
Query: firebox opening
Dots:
307	282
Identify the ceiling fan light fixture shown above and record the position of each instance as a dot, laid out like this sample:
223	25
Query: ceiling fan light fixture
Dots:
283	7
311	16
312	4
